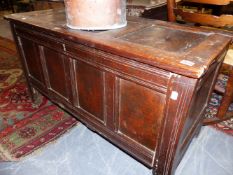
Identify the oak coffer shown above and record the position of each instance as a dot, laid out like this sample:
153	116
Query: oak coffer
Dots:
143	87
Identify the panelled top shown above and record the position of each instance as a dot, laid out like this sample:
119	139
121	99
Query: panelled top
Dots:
183	50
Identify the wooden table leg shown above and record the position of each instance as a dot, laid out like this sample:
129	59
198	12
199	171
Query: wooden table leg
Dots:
227	97
223	113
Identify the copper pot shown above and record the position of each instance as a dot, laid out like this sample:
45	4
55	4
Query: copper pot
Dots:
95	14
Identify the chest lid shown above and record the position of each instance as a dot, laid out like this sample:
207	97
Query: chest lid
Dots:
179	49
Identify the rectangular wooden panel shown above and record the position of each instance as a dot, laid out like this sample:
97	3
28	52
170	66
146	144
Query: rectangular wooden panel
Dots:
165	39
140	112
58	72
90	86
32	58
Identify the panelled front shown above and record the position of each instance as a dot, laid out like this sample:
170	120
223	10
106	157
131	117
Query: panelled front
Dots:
138	109
139	112
31	54
57	71
46	64
89	82
126	98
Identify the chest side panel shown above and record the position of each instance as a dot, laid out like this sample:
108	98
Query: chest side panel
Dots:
139	112
31	56
90	89
57	73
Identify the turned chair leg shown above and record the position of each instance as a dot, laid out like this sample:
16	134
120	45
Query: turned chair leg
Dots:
227	98
170	6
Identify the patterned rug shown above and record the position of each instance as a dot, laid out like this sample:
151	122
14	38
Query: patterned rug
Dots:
24	126
211	111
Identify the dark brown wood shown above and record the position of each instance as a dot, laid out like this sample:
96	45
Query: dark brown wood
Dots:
47	4
227	98
171	5
143	87
224	20
135	102
159	13
90	88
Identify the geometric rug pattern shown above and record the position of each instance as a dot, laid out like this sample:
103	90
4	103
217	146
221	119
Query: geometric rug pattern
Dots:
211	111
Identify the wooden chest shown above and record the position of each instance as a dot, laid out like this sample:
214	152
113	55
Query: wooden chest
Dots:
143	87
